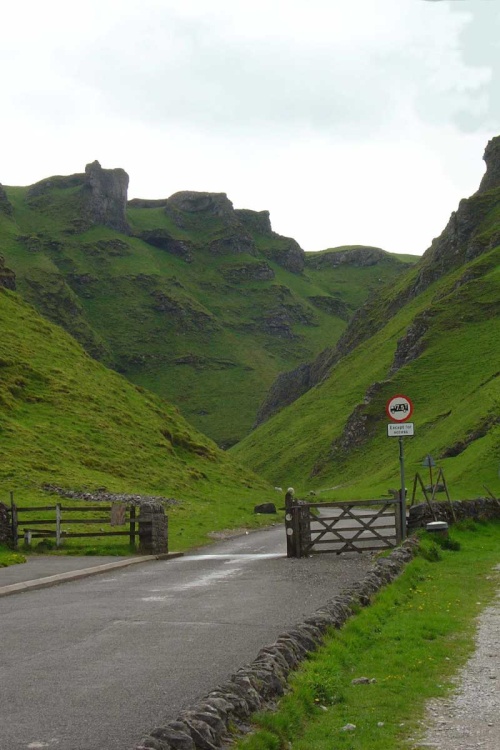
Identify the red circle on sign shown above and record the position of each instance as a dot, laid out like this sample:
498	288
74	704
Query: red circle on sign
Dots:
399	408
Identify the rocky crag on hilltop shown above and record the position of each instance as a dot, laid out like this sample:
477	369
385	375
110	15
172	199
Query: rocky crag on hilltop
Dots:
198	301
465	238
101	196
193	211
5	205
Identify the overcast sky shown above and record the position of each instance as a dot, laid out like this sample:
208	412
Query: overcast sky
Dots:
352	122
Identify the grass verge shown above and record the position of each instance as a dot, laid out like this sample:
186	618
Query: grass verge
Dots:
411	641
9	557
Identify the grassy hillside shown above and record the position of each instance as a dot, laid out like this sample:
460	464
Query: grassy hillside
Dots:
66	419
201	304
434	336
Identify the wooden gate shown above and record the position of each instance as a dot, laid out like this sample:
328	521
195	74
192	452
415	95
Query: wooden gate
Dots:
353	526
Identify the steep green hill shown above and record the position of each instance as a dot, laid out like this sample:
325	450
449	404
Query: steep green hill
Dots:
434	336
67	420
194	300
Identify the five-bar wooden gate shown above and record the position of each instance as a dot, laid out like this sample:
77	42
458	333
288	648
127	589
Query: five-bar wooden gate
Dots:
352	526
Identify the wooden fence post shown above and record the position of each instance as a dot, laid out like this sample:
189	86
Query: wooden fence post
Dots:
58	525
304	529
132	526
13	520
297	548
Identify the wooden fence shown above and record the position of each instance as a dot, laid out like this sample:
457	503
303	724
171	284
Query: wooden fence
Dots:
52	528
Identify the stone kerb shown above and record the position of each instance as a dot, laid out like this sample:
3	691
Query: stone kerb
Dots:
208	724
5	525
484	508
153	529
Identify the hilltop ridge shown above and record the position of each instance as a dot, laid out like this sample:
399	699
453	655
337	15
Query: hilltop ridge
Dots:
202	303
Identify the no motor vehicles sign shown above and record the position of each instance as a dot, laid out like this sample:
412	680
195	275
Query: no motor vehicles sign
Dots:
399	408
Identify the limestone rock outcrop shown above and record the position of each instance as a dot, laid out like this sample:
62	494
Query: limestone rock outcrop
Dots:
357	255
164	241
190	210
102	198
7	277
289	255
191	202
5	205
257	271
491	156
105	197
255	221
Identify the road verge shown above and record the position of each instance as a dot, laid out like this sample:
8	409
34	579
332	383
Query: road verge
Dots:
208	724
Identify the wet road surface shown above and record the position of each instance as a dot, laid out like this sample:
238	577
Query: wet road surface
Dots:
97	663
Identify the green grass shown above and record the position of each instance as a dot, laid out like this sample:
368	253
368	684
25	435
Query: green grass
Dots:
67	420
106	296
454	385
9	557
411	640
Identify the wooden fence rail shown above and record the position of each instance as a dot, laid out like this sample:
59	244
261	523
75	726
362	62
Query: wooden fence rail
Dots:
30	528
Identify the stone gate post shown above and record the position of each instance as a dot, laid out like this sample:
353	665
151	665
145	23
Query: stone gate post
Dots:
153	529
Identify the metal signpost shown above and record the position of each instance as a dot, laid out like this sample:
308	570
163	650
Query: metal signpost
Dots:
399	409
430	463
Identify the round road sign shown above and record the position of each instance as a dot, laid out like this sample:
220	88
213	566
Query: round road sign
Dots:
399	408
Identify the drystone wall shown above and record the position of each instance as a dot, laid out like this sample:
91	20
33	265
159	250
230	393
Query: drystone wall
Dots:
206	725
483	508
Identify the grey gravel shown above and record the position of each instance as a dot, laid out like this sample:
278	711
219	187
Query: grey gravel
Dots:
470	718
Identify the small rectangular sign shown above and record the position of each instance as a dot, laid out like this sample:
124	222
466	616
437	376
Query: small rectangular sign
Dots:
118	514
400	430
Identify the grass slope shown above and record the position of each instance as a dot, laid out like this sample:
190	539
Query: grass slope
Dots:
68	420
453	378
210	334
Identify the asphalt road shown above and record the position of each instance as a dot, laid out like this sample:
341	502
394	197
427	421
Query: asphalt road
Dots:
97	663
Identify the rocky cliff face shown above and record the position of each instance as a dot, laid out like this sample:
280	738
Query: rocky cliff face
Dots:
105	197
288	254
284	250
5	206
190	202
102	198
491	179
289	386
358	256
161	239
7	277
197	210
464	238
255	221
255	271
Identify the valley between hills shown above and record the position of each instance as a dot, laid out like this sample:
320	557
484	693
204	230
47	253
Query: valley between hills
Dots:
180	347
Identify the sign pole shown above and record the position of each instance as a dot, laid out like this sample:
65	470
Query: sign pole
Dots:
402	491
399	409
